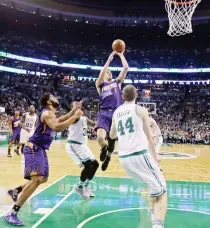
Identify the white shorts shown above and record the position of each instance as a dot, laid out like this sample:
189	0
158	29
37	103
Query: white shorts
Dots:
144	169
79	153
24	136
158	144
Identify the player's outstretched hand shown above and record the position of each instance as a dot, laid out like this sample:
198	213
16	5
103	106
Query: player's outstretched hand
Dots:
77	106
111	56
120	54
78	113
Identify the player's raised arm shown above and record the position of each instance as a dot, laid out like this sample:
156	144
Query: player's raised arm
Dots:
104	70
124	71
143	113
49	118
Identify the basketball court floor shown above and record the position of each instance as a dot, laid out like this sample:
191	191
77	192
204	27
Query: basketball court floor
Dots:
120	202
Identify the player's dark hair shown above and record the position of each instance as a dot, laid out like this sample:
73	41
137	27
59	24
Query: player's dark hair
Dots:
44	99
129	93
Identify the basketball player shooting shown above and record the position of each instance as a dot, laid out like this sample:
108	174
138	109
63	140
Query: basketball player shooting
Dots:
110	99
131	125
36	161
28	123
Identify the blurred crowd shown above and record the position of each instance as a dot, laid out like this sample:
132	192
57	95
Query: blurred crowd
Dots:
145	55
177	124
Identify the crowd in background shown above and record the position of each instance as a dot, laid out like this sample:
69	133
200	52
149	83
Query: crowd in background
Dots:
148	54
177	124
182	110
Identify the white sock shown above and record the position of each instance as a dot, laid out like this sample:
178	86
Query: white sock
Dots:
158	223
157	226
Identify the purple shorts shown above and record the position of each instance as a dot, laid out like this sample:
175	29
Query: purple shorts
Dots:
15	136
104	120
36	162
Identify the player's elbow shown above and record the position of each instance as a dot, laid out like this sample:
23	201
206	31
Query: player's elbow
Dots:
57	128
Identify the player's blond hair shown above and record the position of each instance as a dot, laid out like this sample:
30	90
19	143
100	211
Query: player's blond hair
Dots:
129	93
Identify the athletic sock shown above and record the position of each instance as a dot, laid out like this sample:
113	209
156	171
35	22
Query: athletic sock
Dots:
152	214
15	209
87	182
158	224
81	184
18	190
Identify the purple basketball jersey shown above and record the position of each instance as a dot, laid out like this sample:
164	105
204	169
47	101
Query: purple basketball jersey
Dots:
15	124
110	95
43	135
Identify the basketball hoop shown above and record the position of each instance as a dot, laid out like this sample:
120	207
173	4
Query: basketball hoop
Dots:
180	14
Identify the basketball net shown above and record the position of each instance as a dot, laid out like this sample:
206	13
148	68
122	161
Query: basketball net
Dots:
180	16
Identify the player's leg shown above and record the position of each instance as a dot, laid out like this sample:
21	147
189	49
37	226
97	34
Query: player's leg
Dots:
144	169
101	138
37	171
92	168
12	141
75	152
102	128
9	148
16	191
18	145
26	193
110	148
158	190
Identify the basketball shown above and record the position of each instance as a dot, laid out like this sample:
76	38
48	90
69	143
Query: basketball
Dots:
118	46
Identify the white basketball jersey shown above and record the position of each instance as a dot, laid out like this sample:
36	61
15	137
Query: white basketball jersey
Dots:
30	121
78	131
130	131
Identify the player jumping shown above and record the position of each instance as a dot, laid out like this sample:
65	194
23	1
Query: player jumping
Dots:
77	148
36	161
110	99
14	126
131	124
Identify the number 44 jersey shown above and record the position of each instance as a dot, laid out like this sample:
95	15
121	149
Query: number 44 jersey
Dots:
78	131
130	132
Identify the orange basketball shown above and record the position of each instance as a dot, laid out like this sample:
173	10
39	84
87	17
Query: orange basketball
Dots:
118	46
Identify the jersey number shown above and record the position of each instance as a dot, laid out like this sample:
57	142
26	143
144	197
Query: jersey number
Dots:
128	125
84	131
30	125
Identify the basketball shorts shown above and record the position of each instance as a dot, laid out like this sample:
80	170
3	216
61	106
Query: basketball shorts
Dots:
104	120
36	161
24	136
15	136
80	153
144	169
158	144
